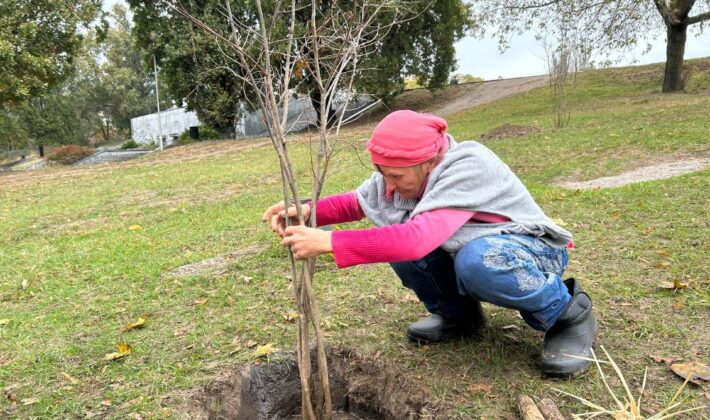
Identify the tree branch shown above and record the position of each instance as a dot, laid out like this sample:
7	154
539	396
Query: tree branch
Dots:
698	18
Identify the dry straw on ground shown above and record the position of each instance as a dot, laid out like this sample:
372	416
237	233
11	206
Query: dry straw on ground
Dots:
628	407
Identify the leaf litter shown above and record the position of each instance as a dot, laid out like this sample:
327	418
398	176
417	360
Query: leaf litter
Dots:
123	351
140	323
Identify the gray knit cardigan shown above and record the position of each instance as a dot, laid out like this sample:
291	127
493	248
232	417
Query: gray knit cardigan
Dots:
469	177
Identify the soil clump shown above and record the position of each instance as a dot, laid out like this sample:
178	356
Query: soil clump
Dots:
509	130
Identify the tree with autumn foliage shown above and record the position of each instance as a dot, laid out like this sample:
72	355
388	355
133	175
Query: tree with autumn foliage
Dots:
608	27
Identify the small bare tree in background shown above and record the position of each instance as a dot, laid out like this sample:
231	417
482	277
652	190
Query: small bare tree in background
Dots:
566	57
273	53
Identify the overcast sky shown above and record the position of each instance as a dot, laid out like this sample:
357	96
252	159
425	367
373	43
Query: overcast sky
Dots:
525	57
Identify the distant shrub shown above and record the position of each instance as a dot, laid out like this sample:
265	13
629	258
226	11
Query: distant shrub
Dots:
185	138
129	144
206	133
70	154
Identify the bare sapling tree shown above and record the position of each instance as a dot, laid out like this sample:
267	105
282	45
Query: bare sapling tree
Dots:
273	51
566	57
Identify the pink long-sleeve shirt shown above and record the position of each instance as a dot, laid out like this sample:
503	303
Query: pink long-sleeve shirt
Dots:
408	241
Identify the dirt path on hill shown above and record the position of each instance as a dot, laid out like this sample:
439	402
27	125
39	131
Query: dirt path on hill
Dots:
486	92
457	98
661	170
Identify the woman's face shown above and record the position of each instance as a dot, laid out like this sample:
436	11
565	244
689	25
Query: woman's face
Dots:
407	181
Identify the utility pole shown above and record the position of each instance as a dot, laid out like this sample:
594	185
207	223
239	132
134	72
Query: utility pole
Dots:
157	101
153	37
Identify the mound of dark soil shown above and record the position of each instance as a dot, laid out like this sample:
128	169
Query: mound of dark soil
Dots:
360	388
509	130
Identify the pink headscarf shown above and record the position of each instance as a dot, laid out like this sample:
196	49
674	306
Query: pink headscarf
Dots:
407	138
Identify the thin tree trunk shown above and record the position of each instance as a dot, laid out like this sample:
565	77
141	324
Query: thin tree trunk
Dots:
675	50
41	151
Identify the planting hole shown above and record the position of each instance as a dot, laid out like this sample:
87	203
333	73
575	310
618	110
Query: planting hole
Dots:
360	389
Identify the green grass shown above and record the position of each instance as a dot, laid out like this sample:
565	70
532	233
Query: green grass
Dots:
72	271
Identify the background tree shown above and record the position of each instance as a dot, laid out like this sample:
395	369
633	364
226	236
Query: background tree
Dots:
14	136
422	45
51	119
112	84
39	40
107	86
609	27
193	66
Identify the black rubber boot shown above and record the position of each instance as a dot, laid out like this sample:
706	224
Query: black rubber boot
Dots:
436	328
571	337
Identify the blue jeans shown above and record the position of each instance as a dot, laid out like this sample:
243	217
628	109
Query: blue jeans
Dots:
512	271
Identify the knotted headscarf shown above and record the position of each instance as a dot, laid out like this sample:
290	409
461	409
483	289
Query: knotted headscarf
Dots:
407	138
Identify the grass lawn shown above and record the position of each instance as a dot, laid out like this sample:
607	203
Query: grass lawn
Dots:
84	251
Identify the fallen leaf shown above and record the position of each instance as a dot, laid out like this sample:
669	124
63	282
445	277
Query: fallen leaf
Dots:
410	298
666	360
650	229
25	284
661	265
476	388
559	222
425	348
71	379
130	403
246	279
677	306
236	341
4	321
135	416
106	402
231	300
200	301
28	401
123	350
251	343
664	254
674	285
290	316
135	227
678	285
264	350
696	372
103	369
131	325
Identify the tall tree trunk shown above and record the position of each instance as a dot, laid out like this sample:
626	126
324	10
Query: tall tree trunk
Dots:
41	151
675	50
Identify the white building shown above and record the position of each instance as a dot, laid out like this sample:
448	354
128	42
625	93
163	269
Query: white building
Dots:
175	121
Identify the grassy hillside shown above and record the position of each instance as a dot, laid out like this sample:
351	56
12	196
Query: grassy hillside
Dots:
85	251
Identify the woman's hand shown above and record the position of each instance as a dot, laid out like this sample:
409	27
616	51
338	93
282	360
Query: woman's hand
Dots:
307	242
276	216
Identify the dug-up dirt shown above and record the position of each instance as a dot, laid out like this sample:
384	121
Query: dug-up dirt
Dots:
360	389
509	130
